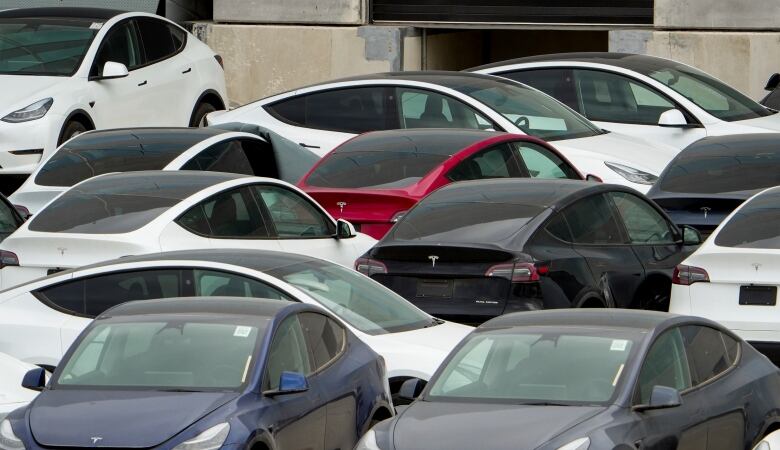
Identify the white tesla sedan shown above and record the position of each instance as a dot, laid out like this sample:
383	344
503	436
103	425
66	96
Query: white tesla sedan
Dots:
40	319
66	70
132	149
652	98
12	394
134	213
323	116
734	276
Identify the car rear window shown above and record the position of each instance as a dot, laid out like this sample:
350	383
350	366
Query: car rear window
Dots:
723	173
755	225
466	222
374	170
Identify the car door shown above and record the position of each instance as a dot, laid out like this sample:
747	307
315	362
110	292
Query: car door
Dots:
326	340
598	236
297	420
683	427
119	102
322	120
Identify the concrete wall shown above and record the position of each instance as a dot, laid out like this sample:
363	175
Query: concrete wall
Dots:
717	14
345	12
744	60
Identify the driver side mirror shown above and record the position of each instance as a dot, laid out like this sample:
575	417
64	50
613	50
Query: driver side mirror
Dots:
344	229
23	211
690	235
673	118
112	70
661	397
290	383
411	389
772	82
34	379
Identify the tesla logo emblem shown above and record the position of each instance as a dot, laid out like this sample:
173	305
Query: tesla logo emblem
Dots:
706	210
96	439
756	266
341	206
433	259
62	250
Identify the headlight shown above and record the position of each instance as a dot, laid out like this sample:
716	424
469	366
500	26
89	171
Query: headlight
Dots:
210	439
579	444
8	440
368	442
32	112
631	174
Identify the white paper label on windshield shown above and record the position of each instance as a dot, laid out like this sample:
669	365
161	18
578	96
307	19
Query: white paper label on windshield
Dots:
619	345
96	26
242	331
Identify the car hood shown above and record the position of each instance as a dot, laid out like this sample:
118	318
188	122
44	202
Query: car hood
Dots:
22	90
771	123
619	148
128	419
447	426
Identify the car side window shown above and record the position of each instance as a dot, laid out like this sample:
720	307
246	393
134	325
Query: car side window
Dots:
226	156
230	214
666	364
9	220
615	98
558	228
592	221
494	162
558	83
293	216
106	291
643	223
543	163
324	337
122	46
709	351
212	283
426	109
161	39
68	297
352	110
287	353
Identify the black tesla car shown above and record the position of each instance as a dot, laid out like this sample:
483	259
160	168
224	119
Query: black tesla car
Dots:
474	250
711	177
591	380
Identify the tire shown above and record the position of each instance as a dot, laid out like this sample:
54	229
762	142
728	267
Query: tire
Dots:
71	129
200	113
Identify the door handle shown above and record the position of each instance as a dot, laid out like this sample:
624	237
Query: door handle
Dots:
143	83
189	69
308	146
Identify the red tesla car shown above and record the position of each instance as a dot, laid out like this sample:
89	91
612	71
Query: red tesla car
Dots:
373	179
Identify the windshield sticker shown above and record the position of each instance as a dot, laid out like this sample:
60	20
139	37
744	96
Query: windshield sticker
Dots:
246	368
617	375
618	345
96	26
242	331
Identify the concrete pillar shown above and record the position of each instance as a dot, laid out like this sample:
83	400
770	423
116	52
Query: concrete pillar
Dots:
717	14
322	12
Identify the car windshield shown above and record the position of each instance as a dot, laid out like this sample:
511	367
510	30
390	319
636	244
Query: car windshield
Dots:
44	46
755	225
538	366
373	170
714	174
361	302
534	112
465	222
708	93
182	354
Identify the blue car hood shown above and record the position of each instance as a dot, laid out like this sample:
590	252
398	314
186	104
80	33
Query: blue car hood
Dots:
130	419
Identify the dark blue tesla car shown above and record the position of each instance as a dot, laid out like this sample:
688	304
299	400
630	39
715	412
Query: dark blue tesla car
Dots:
204	374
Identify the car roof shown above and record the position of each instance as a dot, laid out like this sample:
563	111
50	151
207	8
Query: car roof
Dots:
62	12
630	61
732	145
231	306
440	77
124	137
600	318
438	141
177	184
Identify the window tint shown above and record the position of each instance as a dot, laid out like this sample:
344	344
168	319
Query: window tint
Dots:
354	110
616	98
120	46
558	83
228	156
293	216
722	170
106	291
754	225
288	353
495	162
231	214
373	170
558	227
427	109
9	220
157	38
210	283
643	223
540	162
68	296
665	365
324	337
592	221
709	351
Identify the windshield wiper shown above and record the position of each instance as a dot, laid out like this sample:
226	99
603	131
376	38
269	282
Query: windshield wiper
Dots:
545	404
178	390
434	322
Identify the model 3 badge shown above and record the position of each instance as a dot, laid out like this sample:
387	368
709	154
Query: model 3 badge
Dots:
96	439
433	259
341	206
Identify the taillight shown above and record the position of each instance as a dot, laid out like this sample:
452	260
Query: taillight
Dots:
8	259
398	216
517	273
687	275
368	266
219	60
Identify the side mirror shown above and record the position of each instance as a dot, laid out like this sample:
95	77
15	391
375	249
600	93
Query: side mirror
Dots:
344	229
23	211
411	389
773	82
691	236
290	383
661	397
112	70
672	118
594	178
35	379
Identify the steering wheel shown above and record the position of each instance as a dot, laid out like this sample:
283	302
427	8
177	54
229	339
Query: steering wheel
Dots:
523	123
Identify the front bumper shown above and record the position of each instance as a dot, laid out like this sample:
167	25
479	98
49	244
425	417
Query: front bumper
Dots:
22	145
